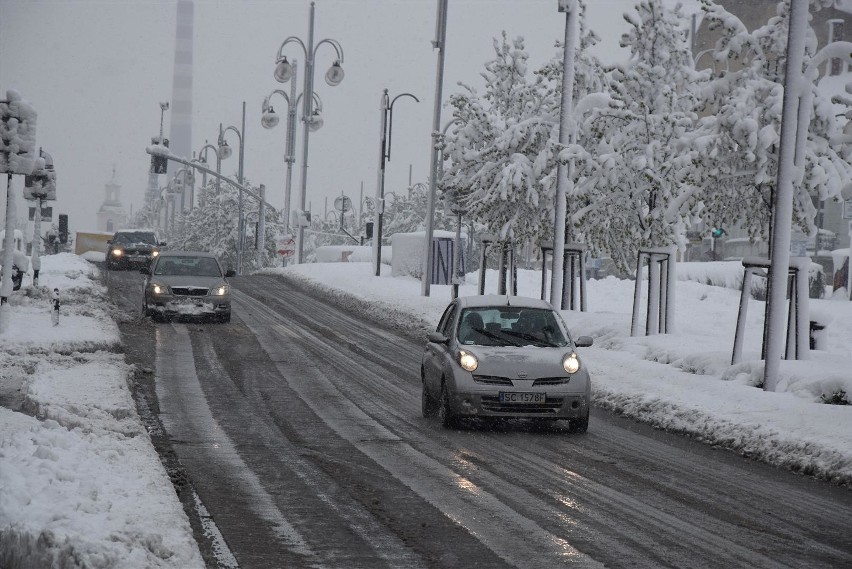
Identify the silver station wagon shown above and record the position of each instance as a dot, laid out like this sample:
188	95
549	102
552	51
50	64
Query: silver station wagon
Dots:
504	356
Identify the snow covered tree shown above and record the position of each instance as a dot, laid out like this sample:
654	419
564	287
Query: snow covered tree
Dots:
502	155
741	129
212	227
634	158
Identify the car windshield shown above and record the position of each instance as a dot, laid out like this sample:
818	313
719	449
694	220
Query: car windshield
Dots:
188	266
510	326
127	238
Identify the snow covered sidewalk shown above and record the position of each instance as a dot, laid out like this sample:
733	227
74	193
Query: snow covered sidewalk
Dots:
80	481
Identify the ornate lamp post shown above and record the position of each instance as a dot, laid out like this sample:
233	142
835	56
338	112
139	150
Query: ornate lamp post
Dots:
224	152
270	119
284	71
202	157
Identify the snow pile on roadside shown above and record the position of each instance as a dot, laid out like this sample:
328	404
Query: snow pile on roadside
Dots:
80	483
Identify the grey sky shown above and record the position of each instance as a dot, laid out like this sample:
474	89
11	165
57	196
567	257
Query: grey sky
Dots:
96	70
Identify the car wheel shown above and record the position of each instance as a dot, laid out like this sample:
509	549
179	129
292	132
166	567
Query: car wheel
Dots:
580	425
445	414
428	405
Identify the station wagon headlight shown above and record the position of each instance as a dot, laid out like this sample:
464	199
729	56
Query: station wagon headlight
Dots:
158	288
155	253
117	252
220	290
571	363
468	361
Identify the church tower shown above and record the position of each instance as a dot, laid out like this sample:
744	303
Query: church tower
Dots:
112	216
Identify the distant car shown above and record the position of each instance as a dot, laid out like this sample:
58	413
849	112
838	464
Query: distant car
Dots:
187	283
132	248
504	356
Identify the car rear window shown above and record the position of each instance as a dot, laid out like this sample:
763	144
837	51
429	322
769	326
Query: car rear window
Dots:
135	237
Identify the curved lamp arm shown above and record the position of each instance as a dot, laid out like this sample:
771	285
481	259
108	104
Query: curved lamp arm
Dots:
390	117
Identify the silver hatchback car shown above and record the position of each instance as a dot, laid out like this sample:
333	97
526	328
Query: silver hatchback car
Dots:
504	356
187	283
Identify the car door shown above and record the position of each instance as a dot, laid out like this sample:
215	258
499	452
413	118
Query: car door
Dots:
436	354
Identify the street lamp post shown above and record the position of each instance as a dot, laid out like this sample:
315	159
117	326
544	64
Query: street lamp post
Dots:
224	152
384	155
283	73
795	119
440	43
564	172
456	208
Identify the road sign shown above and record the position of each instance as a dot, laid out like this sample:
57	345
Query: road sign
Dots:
342	203
287	246
847	209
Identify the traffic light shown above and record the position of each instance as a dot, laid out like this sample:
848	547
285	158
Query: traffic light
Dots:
718	232
369	230
159	164
63	228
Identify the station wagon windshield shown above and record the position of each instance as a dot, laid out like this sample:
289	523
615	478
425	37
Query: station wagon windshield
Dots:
188	266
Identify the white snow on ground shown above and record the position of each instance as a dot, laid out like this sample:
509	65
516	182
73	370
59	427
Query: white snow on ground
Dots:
80	483
80	480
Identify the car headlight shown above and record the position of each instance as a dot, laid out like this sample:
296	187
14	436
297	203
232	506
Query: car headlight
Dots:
468	361
571	363
117	252
220	290
159	289
155	253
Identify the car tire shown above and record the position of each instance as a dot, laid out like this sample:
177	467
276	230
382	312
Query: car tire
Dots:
428	405
580	425
445	413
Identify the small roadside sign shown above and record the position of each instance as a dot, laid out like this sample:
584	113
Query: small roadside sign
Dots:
847	209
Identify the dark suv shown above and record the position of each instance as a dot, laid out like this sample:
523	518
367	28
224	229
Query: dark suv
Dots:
133	248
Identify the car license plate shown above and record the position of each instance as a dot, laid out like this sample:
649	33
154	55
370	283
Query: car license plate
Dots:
522	397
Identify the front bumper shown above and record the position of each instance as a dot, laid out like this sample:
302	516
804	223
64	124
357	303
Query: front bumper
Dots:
191	306
559	405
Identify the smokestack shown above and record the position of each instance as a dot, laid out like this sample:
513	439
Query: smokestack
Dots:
180	132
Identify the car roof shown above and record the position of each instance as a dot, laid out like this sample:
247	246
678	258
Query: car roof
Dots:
177	253
502	300
141	230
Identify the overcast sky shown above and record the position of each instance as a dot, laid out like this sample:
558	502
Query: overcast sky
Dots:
95	71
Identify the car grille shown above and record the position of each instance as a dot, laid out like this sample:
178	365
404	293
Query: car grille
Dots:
550	380
497	380
492	380
189	291
551	406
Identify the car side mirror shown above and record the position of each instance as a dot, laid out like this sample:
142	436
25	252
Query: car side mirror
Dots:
162	244
437	338
230	273
109	241
584	341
